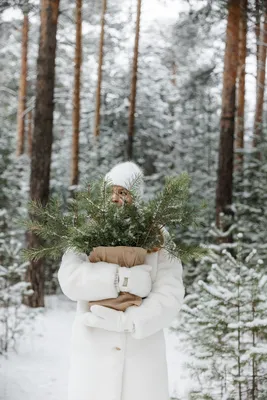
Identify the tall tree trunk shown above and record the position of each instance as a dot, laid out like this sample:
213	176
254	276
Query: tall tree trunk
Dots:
23	85
134	83
227	125
254	391
76	96
100	63
257	139
257	32
42	135
239	142
29	133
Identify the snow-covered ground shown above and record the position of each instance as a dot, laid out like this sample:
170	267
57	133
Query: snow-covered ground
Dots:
39	369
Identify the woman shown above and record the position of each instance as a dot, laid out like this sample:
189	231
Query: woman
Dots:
118	355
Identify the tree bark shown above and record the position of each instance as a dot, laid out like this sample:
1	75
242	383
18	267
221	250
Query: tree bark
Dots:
76	96
29	133
257	139
23	86
100	63
134	83
254	363
239	142
42	135
257	32
227	125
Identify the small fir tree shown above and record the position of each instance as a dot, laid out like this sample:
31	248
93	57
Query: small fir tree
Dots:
224	328
15	317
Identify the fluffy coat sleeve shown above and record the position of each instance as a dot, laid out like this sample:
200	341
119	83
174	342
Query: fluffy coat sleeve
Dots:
164	301
80	279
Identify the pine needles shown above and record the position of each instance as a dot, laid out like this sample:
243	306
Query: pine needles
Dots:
92	220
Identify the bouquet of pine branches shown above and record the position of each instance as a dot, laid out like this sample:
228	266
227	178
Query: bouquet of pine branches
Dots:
92	220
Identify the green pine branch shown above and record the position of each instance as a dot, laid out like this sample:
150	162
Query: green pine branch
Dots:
91	219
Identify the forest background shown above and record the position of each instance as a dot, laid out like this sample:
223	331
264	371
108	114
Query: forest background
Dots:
174	86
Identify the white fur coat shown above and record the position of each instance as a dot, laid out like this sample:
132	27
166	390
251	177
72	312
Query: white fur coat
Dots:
107	365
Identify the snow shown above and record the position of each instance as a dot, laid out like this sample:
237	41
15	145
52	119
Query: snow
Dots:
11	14
39	368
179	380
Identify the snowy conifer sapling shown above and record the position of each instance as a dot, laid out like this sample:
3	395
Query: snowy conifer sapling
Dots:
225	328
15	317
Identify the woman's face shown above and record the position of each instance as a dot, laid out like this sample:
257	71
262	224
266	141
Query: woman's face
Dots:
120	195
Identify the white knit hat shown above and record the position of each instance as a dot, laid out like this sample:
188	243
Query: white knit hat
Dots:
125	174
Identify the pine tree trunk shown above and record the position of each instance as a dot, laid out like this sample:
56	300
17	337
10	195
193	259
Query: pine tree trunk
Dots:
239	341
42	135
257	32
76	96
227	125
100	63
239	142
23	86
134	83
29	133
257	139
254	363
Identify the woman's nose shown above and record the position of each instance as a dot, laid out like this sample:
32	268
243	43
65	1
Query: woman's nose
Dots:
115	198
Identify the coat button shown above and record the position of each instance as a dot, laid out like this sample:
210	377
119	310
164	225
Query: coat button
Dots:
117	348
